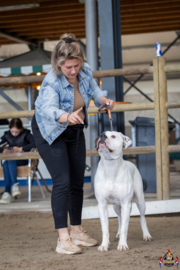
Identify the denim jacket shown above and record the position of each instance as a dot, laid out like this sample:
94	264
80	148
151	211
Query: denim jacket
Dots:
56	96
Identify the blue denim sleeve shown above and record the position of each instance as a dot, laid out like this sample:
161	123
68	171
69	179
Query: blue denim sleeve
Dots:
51	103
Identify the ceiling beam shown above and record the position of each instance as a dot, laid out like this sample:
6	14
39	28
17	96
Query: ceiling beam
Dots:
41	11
16	38
148	30
71	27
128	16
42	31
125	3
133	8
35	20
49	21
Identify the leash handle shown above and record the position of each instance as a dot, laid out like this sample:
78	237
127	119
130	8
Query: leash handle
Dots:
109	112
102	107
107	107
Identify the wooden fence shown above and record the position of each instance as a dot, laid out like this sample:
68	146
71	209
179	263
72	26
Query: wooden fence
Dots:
160	105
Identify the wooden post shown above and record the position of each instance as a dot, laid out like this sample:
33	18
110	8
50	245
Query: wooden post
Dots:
159	180
164	127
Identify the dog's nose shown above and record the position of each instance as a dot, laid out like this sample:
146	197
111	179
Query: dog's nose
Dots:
103	136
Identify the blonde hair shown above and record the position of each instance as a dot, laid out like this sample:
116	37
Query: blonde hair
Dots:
66	50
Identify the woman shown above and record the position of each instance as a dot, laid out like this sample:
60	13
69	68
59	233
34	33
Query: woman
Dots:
19	140
61	115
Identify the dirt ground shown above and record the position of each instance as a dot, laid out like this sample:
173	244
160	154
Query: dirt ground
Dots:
28	241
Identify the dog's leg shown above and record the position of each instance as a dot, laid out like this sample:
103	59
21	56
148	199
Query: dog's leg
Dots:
117	209
139	199
142	207
125	215
103	213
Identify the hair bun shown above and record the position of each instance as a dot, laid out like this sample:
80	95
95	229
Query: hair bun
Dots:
68	36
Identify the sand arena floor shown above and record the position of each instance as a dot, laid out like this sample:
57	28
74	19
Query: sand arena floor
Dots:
28	241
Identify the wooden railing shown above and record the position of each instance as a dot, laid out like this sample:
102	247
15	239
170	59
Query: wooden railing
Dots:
160	106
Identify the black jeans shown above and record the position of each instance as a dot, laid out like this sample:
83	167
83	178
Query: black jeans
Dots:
65	161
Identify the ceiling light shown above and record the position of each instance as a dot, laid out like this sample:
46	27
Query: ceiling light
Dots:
38	73
23	6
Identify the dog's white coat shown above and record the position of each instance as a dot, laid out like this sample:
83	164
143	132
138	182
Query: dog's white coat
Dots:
116	182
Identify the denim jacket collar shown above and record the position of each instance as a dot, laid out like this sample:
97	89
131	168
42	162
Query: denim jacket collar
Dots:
65	82
82	75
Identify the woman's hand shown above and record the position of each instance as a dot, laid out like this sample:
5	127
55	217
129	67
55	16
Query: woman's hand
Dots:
103	100
17	149
7	151
74	118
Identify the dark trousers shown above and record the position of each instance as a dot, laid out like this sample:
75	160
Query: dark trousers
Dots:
65	161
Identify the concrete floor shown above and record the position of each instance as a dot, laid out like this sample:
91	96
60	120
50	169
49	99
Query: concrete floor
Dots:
40	204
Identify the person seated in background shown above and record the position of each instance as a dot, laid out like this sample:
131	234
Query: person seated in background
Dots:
19	140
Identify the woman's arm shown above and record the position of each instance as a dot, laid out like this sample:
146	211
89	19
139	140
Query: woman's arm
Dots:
30	145
48	103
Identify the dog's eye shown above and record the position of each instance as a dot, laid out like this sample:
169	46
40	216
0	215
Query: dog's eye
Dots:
113	136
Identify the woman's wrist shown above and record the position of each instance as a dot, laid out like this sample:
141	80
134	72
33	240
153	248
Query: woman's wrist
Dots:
68	117
102	100
63	118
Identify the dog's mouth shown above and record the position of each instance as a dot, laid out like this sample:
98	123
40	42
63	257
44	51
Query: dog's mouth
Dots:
102	142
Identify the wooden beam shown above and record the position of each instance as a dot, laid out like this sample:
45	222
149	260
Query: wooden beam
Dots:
50	29
127	16
158	27
164	127
21	80
42	31
96	74
144	8
150	13
49	22
173	148
93	109
92	152
173	104
150	30
39	22
147	2
172	68
59	25
28	27
41	12
122	72
35	19
159	175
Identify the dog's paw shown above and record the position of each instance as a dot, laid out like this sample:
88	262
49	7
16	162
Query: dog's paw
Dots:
103	248
122	247
147	238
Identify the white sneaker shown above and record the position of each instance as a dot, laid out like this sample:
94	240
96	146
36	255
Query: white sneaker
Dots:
15	190
67	246
6	198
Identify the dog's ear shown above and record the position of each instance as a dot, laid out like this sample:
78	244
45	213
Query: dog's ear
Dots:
126	141
96	140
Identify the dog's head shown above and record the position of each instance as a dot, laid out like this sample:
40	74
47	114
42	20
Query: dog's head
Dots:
110	144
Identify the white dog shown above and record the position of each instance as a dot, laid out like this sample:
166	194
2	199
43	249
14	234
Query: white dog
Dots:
116	182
